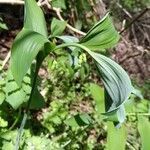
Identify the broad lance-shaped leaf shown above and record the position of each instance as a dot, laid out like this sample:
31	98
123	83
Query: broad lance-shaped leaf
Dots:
24	50
101	36
116	81
34	19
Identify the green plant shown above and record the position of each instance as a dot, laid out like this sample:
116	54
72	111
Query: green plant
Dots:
33	43
3	26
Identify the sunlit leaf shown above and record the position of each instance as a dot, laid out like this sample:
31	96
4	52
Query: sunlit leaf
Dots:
98	95
7	139
116	137
24	50
103	35
2	93
57	27
144	130
2	97
34	19
16	95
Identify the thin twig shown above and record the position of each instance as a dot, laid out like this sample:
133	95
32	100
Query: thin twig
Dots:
6	59
5	46
13	2
130	145
135	19
58	12
124	10
130	56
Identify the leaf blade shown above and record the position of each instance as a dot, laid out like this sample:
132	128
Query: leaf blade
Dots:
25	48
57	27
116	81
101	36
97	94
34	19
17	96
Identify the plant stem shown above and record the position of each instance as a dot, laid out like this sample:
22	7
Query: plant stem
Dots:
20	132
73	44
16	120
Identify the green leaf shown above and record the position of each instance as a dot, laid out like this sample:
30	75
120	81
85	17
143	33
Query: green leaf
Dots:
117	83
57	27
116	137
3	123
103	35
24	50
16	95
3	26
2	90
2	97
38	143
59	4
79	120
144	130
7	139
98	95
34	19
